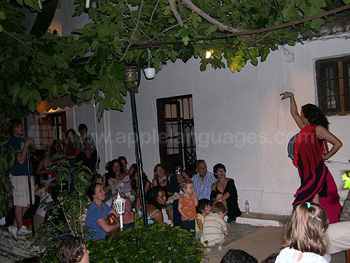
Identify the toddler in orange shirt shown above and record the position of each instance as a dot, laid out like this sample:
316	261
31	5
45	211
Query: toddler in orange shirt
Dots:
187	206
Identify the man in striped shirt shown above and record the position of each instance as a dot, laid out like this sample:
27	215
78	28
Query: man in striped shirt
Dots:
203	181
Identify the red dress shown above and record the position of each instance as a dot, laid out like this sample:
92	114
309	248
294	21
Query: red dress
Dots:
314	174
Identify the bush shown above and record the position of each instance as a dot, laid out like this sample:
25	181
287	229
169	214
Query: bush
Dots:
157	243
7	159
66	214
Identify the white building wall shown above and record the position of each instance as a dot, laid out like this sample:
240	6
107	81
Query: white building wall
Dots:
241	122
239	119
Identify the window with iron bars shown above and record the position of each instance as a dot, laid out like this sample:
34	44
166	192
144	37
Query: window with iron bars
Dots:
333	89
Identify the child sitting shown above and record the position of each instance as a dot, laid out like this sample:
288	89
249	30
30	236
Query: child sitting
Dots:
187	205
203	209
214	227
305	239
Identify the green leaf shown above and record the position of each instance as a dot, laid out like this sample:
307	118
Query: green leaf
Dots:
186	40
2	15
118	70
36	96
288	12
73	84
211	29
183	33
316	24
347	184
166	11
1	28
254	61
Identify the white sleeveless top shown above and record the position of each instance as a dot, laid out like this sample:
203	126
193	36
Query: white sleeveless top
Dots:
290	255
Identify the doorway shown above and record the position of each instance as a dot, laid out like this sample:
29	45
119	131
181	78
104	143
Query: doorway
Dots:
176	133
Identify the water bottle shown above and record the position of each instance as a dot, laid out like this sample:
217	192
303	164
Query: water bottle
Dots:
246	207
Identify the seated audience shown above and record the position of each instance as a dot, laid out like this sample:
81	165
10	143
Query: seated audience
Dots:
40	213
83	130
72	250
46	169
187	206
96	178
203	181
88	155
238	256
96	217
116	180
57	149
135	187
203	209
224	190
129	215
180	176
155	201
214	227
167	182
124	162
70	147
132	168
305	236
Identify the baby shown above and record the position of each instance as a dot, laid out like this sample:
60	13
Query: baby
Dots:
214	227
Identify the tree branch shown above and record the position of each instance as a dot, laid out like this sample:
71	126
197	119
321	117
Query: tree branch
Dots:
247	32
150	21
184	15
29	49
165	30
133	33
209	18
176	14
133	19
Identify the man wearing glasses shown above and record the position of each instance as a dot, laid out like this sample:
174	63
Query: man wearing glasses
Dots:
203	181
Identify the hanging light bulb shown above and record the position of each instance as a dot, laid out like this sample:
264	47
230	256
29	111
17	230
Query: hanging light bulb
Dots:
208	54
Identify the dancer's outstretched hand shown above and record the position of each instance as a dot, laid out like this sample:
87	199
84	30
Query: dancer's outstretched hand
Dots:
286	95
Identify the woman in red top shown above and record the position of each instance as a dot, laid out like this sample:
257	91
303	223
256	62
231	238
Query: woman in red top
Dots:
310	152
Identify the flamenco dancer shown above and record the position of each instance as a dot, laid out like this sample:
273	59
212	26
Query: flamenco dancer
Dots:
310	152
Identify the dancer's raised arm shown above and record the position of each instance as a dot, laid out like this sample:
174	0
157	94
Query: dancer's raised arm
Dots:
293	108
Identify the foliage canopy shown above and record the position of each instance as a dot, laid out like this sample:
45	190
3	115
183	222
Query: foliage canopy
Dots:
236	31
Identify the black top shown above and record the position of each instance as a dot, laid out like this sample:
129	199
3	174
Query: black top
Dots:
231	201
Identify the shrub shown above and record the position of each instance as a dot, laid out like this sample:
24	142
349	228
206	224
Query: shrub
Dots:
157	243
7	159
